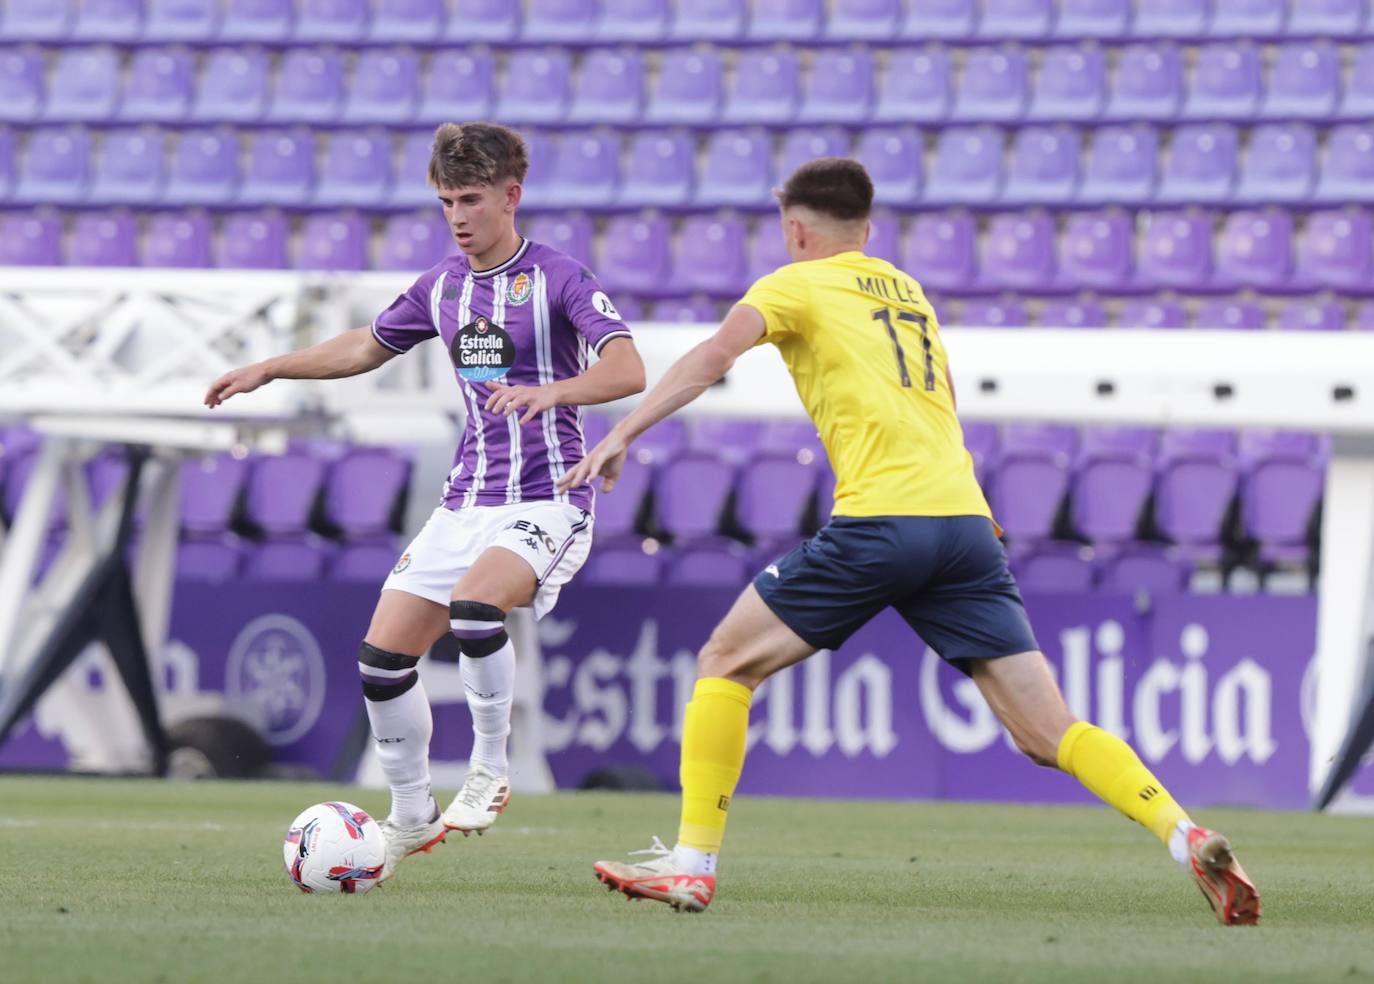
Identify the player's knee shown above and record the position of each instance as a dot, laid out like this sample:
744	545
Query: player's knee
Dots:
719	659
479	628
386	675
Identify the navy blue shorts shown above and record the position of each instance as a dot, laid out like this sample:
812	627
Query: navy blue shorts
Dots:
946	575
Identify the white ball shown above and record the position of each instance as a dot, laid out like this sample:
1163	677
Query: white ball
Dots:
334	847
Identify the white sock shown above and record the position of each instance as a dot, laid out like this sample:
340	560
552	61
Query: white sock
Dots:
490	685
1178	841
401	728
694	862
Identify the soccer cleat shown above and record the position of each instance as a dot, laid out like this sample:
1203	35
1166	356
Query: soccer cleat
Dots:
1224	883
481	800
659	879
403	841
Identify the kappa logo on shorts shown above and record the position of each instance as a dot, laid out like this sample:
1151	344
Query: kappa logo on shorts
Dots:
772	569
537	536
401	564
521	289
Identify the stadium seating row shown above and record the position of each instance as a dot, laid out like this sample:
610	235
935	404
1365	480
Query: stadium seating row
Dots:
443	22
1315	80
978	167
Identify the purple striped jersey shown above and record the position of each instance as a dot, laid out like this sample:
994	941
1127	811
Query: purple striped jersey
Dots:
531	321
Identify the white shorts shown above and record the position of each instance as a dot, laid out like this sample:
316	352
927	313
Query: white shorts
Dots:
554	538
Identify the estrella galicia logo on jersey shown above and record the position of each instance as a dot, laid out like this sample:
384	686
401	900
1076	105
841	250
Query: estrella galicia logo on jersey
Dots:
521	289
482	351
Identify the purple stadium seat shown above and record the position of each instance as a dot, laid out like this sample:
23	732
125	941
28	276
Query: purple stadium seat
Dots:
128	168
1108	494
1151	313
356	170
1255	249
21	85
710	256
559	21
765	88
661	170
333	241
1226	83
893	157
309	87
363	489
1348	171
795	438
235	85
472	21
662	442
800	146
773	497
84	85
993	313
30	239
1171	18
159	86
688	311
785	20
411	21
1072	85
1277	500
540	150
617	511
736	439
689	88
1148	84
993	86
178	239
863	20
690	494
108	20
623	564
1122	165
1312	316
633	20
1358	103
917	86
384	88
103	239
570	234
1261	445
1056	442
1213	444
1055	567
535	87
737	169
331	21
458	86
967	167
585	173
609	88
287	560
1248	18
55	167
885	238
1072	314
839	88
1019	19
1031	478
1106	19
1304	81
1095	250
281	492
9	164
281	168
1098	441
945	19
1334	251
708	20
634	255
1201	164
1280	164
253	241
37	20
1017	252
767	250
1364	317
1043	166
1326	18
411	189
720	566
595	426
1150	567
413	242
204	168
1231	314
257	20
363	562
215	561
940	249
983	444
210	490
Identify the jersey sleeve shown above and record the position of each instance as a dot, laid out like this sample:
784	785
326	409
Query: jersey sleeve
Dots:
589	309
781	297
408	322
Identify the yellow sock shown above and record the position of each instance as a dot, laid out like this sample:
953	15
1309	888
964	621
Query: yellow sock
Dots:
1111	769
713	737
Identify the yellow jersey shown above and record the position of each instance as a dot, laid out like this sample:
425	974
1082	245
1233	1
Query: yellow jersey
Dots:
863	346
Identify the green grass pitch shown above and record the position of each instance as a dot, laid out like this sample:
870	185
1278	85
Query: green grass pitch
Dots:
113	880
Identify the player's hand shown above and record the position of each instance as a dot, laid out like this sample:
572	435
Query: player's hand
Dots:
505	400
243	380
605	460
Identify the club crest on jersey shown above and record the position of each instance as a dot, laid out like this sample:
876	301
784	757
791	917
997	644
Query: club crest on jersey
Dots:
401	564
521	289
482	351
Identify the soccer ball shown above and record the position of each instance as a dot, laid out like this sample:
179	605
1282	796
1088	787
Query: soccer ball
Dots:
334	847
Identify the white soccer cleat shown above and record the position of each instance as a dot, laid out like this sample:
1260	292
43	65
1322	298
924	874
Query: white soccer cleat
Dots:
660	879
481	800
403	841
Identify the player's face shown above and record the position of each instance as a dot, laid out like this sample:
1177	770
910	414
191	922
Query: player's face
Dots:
479	216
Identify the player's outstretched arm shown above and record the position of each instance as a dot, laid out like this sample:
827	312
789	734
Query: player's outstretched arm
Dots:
350	354
685	380
619	372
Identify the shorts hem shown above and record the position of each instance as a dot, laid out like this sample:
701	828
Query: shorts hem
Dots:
784	618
